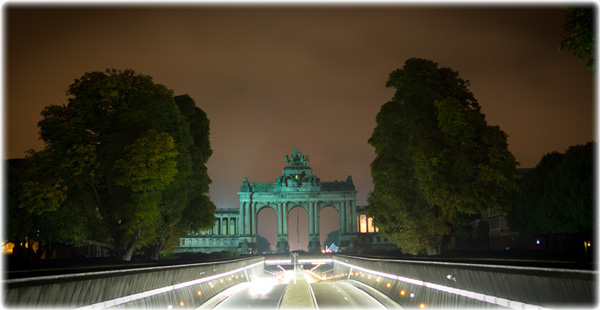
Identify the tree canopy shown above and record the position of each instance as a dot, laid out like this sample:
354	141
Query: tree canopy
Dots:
579	34
438	163
557	195
115	157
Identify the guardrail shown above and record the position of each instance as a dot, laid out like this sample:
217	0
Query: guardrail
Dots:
420	284
168	287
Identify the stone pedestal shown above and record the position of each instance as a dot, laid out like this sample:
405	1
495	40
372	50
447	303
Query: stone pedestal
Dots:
283	245
314	244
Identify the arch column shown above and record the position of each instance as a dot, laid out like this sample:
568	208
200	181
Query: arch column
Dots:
283	245
314	239
348	232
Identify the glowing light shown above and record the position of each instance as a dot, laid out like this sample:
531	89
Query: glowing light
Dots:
262	286
422	306
181	303
161	290
199	293
388	284
211	285
465	293
377	280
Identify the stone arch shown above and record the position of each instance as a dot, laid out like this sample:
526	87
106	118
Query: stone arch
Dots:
266	213
330	220
298	218
233	226
224	227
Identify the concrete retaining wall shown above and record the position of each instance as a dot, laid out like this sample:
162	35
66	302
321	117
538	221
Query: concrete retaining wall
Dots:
455	285
155	287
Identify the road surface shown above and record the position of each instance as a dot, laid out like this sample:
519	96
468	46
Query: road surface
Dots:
342	295
328	295
255	297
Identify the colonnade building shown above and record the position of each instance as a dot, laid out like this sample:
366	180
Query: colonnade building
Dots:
297	186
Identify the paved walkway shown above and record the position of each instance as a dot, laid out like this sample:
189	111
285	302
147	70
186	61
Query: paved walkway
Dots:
298	296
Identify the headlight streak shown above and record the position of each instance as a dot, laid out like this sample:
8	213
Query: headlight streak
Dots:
129	298
315	275
465	293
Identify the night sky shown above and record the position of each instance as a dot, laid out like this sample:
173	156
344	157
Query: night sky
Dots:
273	77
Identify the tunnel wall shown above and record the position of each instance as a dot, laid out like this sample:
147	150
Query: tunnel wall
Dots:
455	285
153	287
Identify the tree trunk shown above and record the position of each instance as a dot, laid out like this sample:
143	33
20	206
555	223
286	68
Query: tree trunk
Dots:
126	253
155	250
441	246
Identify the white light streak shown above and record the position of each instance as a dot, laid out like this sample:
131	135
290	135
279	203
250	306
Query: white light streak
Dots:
129	298
465	293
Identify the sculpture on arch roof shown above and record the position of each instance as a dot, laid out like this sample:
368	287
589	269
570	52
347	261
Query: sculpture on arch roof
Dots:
297	159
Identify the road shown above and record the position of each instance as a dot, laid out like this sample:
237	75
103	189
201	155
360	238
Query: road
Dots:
342	295
328	295
264	296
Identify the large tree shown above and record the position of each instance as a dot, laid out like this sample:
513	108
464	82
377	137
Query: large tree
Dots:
111	155
438	163
185	206
557	195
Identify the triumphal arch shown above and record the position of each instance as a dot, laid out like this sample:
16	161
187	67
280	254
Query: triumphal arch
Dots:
297	186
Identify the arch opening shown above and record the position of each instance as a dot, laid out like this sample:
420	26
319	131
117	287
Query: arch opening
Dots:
298	229
329	229
266	238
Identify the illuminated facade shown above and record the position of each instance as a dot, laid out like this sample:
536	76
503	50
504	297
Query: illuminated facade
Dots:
297	186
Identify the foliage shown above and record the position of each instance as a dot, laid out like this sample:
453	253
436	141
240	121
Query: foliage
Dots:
579	35
333	238
186	206
113	152
263	244
437	161
557	195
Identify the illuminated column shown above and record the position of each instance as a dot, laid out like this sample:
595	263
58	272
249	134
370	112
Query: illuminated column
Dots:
247	218
316	221
353	216
349	218
311	219
343	217
254	222
314	243
279	222
285	218
283	245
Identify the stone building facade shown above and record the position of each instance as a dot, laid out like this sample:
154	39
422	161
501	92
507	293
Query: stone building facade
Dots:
297	186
